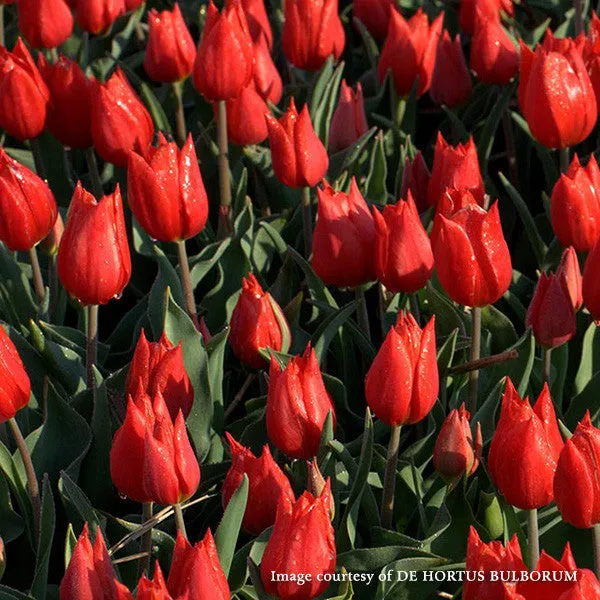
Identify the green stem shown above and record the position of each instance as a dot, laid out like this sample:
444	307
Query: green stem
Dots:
475	355
414	307
90	157
307	221
146	540
361	311
92	344
596	543
389	480
563	154
533	542
37	157
483	363
180	128
547	354
179	519
1	24
53	282
382	308
578	17
186	283
38	280
225	227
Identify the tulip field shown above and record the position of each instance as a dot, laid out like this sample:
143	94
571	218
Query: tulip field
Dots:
299	300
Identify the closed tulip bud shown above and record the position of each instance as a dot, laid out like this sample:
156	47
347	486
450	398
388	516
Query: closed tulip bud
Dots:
246	124
450	82
16	387
349	122
402	384
489	9
196	570
94	263
455	167
302	542
344	238
403	255
258	21
158	367
45	23
166	192
97	16
256	322
171	51
297	405
525	449
410	51
568	271
267	485
225	59
27	207
267	79
298	155
374	15
415	179
590	287
155	589
23	94
312	32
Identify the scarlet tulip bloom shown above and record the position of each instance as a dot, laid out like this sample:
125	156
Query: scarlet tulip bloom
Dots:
225	58
120	122
415	179
16	387
348	122
297	405
568	271
23	94
196	570
374	15
256	322
267	79
344	238
258	21
591	54
27	207
267	485
312	32
403	255
298	155
410	51
525	449
489	9
591	282
94	264
455	167
45	23
155	589
97	16
132	4
302	542
575	205
166	191
69	117
246	114
171	51
402	384
450	82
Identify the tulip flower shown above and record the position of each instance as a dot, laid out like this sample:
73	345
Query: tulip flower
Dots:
155	589
132	4
312	32
410	51
23	94
415	179
348	122
450	82
568	271
591	282
97	16
267	485
267	79
525	449
45	23
246	114
403	255
302	542
258	21
344	238
591	55
16	387
256	322
374	15
297	405
489	9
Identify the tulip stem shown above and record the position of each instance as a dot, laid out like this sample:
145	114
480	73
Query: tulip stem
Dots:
509	138
307	221
92	344
180	128
225	227
563	155
1	24
414	308
482	363
382	308
179	519
38	281
547	354
186	283
475	355
361	312
578	17
389	479
53	283
596	543
146	540
90	157
32	482
533	541
37	158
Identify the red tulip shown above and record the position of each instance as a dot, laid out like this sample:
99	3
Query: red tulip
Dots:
69	116
490	10
97	16
344	238
23	94
298	155
16	387
403	255
410	51
450	82
246	115
374	15
402	384
27	207
348	122
312	32
568	271
258	21
297	405
415	179
591	282
525	449
267	485
132	4
591	55
45	23
225	58
120	122
166	191
301	543
155	589
94	264
267	79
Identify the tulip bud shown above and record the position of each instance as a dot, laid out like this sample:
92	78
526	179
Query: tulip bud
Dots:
94	264
120	122
343	238
97	16
166	191
312	32
23	94
225	58
450	82
256	322
416	42
196	570
297	405
298	155
246	114
570	274
302	542
16	387
45	23
155	589
349	122
27	207
374	15
402	384
69	116
415	179
267	485
170	52
489	9
403	256
525	449
267	79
